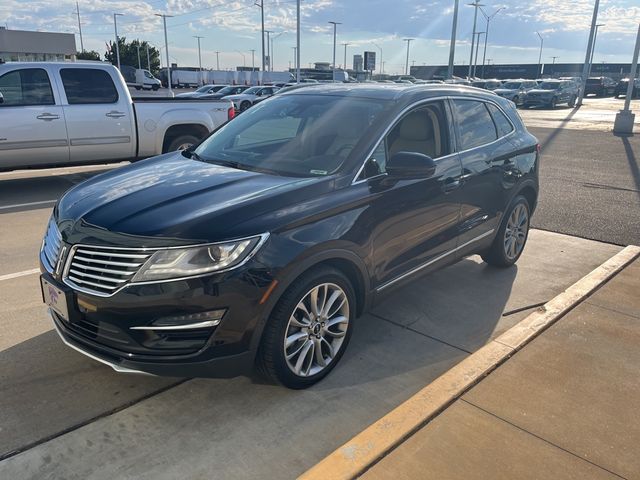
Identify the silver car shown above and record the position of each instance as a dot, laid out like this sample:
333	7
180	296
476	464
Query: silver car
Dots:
516	90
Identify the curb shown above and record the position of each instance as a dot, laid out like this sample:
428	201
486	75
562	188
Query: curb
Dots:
369	446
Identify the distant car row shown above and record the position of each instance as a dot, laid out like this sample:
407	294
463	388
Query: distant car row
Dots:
242	96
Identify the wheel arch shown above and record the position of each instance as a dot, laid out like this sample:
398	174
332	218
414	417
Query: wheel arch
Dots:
196	129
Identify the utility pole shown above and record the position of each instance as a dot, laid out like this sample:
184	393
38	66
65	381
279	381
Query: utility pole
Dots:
586	67
475	6
268	32
261	5
452	46
333	65
217	60
381	62
593	50
540	55
298	41
406	65
148	58
486	35
625	118
80	27
138	48
166	48
253	62
475	63
199	61
271	62
115	27
345	55
554	59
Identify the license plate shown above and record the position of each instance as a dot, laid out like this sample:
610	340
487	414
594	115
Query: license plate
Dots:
55	299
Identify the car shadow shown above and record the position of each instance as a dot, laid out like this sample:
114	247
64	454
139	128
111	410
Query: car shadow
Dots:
632	159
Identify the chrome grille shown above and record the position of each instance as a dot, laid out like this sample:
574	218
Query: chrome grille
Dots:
51	246
103	270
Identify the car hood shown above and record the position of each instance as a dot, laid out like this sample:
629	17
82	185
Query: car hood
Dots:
542	91
189	95
506	91
171	200
240	96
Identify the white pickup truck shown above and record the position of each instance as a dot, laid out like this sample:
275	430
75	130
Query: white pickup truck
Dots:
70	113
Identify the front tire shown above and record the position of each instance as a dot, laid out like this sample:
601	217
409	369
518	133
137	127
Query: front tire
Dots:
182	142
309	329
512	235
244	106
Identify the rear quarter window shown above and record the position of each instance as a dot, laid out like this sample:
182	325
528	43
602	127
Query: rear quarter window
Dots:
503	125
475	125
88	86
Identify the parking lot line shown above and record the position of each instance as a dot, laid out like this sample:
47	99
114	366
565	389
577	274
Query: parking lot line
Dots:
18	205
24	273
357	455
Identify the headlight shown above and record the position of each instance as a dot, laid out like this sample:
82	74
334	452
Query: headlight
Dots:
190	261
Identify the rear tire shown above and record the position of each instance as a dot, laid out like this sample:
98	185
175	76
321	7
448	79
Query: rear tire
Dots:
512	235
308	334
245	106
182	142
554	103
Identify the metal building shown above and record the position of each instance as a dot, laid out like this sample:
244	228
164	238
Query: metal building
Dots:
28	46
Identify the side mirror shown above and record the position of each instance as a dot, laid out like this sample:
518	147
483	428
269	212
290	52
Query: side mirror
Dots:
410	166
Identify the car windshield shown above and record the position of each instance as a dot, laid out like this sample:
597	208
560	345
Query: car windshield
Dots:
228	90
512	85
294	135
252	90
203	89
593	81
549	85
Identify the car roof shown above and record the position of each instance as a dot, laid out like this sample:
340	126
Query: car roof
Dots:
393	91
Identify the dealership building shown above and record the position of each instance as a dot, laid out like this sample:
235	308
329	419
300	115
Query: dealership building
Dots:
26	46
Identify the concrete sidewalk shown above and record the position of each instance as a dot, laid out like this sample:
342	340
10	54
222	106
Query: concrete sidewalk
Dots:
567	406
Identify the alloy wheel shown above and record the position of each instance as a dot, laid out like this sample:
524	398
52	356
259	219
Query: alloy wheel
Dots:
515	233
316	329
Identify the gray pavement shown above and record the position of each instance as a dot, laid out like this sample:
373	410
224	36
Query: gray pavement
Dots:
565	407
241	427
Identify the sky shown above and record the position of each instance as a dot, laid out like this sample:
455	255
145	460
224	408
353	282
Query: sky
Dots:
232	27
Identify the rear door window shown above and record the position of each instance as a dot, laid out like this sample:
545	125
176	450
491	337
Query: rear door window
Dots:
28	86
475	125
502	122
88	86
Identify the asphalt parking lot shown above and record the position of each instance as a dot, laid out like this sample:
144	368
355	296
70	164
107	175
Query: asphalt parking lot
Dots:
63	415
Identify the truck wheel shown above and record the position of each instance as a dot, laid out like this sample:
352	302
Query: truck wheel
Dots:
138	88
512	235
155	88
245	106
309	329
182	142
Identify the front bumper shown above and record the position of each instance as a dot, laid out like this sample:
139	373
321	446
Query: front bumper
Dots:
534	101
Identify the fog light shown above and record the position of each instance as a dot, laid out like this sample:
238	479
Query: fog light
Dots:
186	322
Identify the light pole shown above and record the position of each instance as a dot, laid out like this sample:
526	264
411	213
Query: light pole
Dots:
271	62
345	55
475	6
138	48
166	48
217	60
148	58
268	63
540	55
253	63
593	49
452	46
586	67
475	62
486	35
381	62
115	27
297	41
333	65
624	118
199	60
554	59
406	65
80	28
244	59
261	5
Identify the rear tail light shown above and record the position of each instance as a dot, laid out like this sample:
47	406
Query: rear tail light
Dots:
231	113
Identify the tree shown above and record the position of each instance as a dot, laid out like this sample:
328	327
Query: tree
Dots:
88	55
129	54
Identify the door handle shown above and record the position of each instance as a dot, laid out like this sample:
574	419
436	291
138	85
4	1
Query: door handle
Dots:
48	116
115	114
451	184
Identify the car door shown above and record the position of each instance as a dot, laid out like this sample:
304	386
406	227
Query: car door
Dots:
32	121
99	118
414	222
488	165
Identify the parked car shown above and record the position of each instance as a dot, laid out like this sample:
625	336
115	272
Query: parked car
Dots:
263	244
600	87
551	93
490	85
226	91
247	98
287	88
515	90
139	78
202	92
62	113
623	85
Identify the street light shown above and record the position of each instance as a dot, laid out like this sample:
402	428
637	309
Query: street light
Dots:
475	62
199	61
554	59
217	60
345	55
244	62
625	117
381	62
486	36
540	56
593	49
333	65
253	63
586	67
271	62
475	6
452	46
115	27
166	45
406	66
268	64
298	41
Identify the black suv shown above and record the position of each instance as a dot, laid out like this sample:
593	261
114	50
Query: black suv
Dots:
623	85
263	244
600	86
